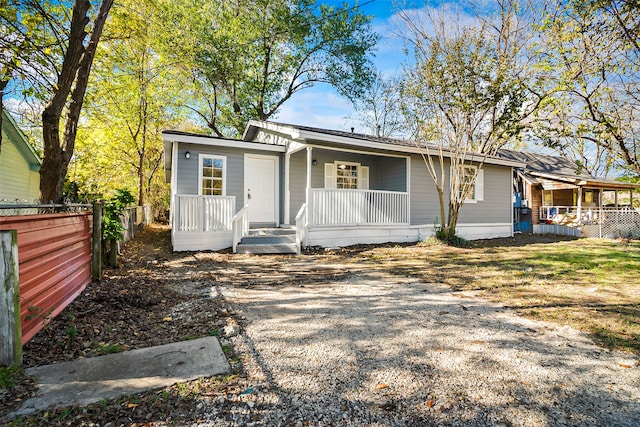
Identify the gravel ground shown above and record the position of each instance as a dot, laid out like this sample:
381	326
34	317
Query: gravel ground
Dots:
313	342
372	350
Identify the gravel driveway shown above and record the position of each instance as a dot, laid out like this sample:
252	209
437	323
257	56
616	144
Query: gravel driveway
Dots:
385	351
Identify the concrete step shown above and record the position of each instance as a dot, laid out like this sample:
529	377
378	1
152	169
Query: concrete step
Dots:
267	248
272	231
269	239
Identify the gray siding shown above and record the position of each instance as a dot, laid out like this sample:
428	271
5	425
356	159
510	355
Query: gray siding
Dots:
425	208
495	208
393	174
187	174
497	203
297	183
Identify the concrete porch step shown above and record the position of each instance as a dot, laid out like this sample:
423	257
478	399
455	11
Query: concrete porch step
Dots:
268	241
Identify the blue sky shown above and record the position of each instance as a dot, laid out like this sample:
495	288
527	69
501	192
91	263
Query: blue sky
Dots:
321	106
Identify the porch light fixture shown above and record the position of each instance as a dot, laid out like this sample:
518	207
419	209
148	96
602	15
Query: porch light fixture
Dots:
314	162
187	155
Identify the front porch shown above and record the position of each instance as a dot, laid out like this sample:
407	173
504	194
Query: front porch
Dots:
333	217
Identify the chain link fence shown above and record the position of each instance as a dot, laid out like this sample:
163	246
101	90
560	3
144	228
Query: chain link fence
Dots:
10	209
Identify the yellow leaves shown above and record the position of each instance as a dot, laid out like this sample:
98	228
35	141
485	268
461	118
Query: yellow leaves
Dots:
167	319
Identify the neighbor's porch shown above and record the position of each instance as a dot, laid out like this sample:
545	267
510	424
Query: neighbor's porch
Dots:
583	205
590	212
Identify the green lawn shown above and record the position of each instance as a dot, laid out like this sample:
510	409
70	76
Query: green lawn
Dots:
590	284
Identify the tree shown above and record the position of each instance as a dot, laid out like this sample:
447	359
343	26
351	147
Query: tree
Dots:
58	76
132	99
379	108
593	46
250	56
28	42
468	95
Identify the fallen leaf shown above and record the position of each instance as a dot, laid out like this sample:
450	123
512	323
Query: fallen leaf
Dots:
625	366
430	403
381	386
167	319
132	405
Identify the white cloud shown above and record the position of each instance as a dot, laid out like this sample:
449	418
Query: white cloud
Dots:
319	107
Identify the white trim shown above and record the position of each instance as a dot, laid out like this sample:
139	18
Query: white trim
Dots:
511	203
338	236
408	189
174	187
335	170
366	153
276	183
201	157
287	191
221	142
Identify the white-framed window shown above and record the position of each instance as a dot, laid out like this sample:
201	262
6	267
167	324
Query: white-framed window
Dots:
346	175
212	175
470	179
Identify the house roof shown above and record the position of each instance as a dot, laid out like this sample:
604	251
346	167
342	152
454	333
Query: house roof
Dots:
170	136
13	132
307	134
541	168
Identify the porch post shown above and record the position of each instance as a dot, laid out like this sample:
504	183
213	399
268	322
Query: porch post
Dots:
615	198
308	189
409	190
287	207
579	205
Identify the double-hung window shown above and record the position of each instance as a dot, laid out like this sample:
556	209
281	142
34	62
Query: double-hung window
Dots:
470	184
213	171
346	175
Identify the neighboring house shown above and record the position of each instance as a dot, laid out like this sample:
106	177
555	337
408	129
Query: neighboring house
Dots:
19	165
552	190
334	188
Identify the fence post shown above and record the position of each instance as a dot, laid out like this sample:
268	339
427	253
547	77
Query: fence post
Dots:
96	242
10	326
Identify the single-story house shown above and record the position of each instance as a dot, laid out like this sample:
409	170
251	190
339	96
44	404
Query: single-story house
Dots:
19	165
329	188
553	190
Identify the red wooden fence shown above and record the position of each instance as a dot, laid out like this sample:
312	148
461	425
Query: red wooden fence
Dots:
54	252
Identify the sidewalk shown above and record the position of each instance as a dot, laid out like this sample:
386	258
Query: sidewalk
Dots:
85	381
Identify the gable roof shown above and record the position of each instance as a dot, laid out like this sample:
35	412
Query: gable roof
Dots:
307	134
10	128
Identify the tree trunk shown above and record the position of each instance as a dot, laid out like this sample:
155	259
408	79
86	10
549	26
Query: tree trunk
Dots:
3	85
71	87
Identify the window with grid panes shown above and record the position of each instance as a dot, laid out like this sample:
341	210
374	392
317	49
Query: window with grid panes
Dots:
212	173
347	175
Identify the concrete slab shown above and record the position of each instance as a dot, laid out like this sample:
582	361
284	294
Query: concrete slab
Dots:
85	381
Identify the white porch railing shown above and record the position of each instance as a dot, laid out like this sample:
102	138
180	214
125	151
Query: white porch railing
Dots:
203	213
301	227
362	207
240	225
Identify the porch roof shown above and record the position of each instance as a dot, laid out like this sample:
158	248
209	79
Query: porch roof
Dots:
171	136
329	137
547	170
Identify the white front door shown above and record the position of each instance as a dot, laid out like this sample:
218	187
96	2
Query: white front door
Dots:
261	188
